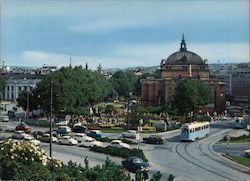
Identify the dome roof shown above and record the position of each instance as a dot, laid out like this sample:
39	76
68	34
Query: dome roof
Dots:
184	57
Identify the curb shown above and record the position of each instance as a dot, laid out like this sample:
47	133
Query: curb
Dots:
243	167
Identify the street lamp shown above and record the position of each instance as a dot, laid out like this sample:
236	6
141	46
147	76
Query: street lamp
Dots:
50	128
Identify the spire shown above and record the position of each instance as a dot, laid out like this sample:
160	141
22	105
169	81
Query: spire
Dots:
70	62
183	44
86	66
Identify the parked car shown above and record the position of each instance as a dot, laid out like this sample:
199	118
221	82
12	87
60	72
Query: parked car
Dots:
4	118
131	134
79	129
20	135
32	141
90	143
80	137
95	134
63	130
119	144
23	127
247	153
46	138
154	139
37	134
68	140
133	164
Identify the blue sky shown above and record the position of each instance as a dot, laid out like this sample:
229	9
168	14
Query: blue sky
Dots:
121	34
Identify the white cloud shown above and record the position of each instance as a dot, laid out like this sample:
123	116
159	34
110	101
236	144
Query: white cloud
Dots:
128	55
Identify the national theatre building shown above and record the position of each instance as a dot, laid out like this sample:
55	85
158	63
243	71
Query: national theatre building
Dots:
180	65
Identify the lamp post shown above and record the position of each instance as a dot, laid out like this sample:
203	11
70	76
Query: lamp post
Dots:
27	107
50	128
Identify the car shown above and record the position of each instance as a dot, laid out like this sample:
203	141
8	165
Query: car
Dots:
154	139
32	140
247	153
131	134
67	140
46	138
90	143
4	118
23	127
119	144
79	129
133	164
63	130
20	135
95	134
81	137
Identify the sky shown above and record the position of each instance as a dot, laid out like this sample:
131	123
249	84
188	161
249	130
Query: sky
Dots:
120	34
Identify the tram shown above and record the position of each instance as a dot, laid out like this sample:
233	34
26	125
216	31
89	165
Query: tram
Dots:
241	122
194	131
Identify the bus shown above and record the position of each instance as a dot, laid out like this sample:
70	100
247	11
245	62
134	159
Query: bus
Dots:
194	131
241	121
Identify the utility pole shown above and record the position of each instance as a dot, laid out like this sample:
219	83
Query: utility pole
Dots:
27	107
227	144
50	128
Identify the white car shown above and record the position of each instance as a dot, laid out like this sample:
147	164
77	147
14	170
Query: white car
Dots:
131	134
68	140
32	141
91	143
81	137
119	144
20	135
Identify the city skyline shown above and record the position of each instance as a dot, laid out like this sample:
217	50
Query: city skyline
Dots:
121	34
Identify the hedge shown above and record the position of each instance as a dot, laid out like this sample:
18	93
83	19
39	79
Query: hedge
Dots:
121	152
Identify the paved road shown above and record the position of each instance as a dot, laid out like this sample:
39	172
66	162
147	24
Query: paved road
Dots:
194	160
235	149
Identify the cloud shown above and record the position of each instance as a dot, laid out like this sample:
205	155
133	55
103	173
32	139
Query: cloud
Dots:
129	55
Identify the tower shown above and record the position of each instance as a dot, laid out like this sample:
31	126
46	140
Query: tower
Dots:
183	44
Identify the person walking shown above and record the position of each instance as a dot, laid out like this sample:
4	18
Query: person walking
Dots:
145	174
86	161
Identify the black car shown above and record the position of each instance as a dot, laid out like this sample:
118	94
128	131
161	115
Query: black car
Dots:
154	139
79	129
133	164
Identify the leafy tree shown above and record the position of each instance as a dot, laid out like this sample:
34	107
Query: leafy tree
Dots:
2	85
123	82
189	94
73	89
109	109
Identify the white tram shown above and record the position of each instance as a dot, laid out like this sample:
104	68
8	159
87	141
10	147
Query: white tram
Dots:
194	131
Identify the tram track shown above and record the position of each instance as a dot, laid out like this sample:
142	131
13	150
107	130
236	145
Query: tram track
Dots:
215	156
201	166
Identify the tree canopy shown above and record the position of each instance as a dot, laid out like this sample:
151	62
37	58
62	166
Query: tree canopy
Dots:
2	85
123	82
72	88
189	94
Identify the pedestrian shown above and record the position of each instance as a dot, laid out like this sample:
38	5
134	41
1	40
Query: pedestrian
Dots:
145	174
86	161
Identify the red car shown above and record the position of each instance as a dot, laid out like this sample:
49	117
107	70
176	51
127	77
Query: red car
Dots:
24	127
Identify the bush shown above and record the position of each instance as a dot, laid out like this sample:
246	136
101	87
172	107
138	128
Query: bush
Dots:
121	152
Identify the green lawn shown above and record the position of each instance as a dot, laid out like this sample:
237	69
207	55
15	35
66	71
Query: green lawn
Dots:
240	140
108	130
242	160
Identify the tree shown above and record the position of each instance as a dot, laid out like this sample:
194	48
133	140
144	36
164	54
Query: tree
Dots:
2	86
123	82
189	94
73	89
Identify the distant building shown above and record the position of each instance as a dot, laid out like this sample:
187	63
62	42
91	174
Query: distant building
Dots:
180	65
241	85
15	86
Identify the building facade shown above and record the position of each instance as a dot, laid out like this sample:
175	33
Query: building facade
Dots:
181	65
241	85
13	87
